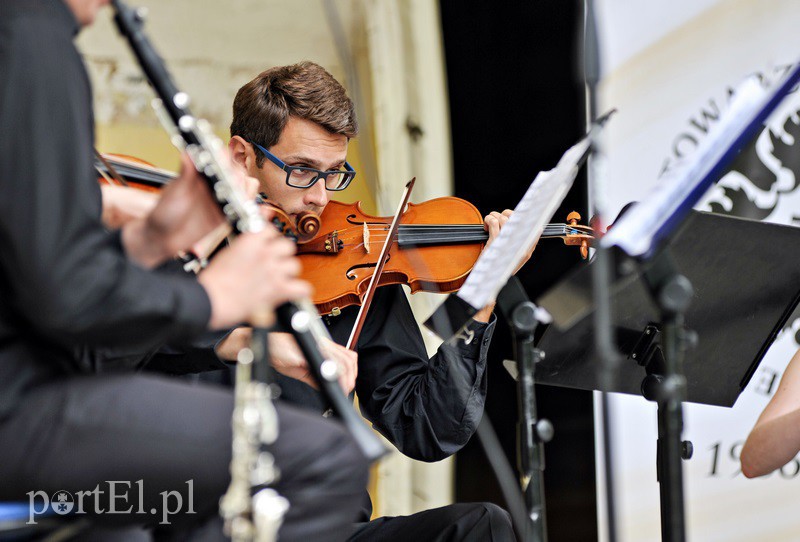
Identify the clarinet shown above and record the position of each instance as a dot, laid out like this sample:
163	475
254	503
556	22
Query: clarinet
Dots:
195	137
252	517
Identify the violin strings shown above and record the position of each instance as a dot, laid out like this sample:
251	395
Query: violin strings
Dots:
550	229
138	173
437	234
405	239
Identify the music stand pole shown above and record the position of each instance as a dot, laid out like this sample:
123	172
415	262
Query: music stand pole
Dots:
532	432
608	357
672	294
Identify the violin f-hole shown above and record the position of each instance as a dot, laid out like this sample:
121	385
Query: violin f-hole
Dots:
350	273
352	219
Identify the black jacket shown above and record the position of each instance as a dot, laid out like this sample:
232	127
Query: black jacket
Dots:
65	283
427	407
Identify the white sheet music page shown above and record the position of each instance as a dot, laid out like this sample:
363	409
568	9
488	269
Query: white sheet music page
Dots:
635	231
523	229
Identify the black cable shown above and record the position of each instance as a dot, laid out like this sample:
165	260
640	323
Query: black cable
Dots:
505	477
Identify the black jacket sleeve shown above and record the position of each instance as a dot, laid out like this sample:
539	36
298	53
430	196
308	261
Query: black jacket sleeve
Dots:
196	356
429	408
69	279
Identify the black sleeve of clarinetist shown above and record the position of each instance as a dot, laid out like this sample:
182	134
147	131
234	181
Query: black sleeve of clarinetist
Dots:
64	275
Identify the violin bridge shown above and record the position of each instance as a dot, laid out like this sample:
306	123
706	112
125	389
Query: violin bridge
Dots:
366	237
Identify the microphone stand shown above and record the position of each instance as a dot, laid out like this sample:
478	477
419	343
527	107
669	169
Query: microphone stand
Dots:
608	357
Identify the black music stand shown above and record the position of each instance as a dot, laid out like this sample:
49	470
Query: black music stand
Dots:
532	432
746	284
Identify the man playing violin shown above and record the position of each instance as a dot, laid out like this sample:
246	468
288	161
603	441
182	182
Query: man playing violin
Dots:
290	131
69	422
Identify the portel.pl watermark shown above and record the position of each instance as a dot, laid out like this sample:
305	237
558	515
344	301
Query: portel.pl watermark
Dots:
112	500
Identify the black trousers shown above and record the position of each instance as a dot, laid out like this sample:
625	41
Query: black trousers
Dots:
166	445
463	522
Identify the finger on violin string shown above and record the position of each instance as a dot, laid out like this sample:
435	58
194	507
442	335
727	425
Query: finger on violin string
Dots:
498	215
492	223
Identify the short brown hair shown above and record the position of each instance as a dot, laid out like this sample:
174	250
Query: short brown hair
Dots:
306	90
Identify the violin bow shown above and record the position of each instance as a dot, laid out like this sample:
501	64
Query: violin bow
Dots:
373	283
115	176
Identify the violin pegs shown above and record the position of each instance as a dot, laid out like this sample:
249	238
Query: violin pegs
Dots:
584	249
573	218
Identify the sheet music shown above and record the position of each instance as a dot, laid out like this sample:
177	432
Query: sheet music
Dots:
637	230
523	229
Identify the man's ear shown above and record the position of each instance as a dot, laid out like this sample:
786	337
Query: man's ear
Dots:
241	152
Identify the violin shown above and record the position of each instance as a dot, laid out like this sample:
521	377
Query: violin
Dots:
125	170
437	245
132	172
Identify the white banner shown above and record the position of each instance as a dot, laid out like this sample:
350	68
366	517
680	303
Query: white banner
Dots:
669	69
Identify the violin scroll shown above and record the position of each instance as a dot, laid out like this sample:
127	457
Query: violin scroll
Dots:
307	225
300	230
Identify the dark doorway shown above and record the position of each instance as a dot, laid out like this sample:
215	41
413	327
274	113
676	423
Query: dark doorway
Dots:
515	108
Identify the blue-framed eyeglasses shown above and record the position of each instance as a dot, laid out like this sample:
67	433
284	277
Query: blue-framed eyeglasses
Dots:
306	177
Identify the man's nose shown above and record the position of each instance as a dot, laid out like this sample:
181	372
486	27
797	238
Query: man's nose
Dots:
317	195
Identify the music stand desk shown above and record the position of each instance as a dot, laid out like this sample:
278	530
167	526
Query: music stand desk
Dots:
746	285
